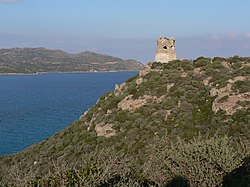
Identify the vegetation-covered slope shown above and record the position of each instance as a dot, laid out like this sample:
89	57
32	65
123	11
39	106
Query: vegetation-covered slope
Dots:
158	128
33	60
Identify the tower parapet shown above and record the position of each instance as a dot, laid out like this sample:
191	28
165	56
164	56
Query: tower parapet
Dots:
165	51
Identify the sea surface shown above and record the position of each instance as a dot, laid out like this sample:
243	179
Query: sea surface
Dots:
34	107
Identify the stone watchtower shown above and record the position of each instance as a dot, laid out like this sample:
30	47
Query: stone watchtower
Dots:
165	51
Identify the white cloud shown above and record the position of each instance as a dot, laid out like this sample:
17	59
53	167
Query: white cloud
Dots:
224	36
9	1
215	37
230	36
247	35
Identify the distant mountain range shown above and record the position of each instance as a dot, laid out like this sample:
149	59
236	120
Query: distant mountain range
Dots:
35	60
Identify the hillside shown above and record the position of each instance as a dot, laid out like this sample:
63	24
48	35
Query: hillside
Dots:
183	123
33	60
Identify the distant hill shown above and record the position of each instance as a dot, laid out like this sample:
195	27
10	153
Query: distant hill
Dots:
35	60
184	123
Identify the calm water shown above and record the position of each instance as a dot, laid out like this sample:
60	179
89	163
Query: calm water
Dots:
34	107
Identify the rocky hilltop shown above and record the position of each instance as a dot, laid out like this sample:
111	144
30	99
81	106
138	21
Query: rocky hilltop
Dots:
35	60
180	123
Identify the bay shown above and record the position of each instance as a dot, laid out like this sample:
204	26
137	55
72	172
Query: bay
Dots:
34	107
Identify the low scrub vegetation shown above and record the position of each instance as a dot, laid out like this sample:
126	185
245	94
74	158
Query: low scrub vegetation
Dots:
203	161
184	123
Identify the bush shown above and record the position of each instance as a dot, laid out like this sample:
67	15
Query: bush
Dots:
203	161
242	86
201	61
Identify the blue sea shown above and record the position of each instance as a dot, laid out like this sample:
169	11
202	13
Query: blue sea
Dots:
34	107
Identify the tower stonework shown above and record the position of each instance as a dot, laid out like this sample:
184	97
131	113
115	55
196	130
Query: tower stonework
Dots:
165	51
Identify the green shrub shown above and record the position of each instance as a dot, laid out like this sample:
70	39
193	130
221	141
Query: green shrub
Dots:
242	86
203	161
201	61
169	103
235	59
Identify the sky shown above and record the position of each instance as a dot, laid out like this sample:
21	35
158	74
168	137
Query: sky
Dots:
128	28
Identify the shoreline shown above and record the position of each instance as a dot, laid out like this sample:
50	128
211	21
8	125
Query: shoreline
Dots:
51	72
